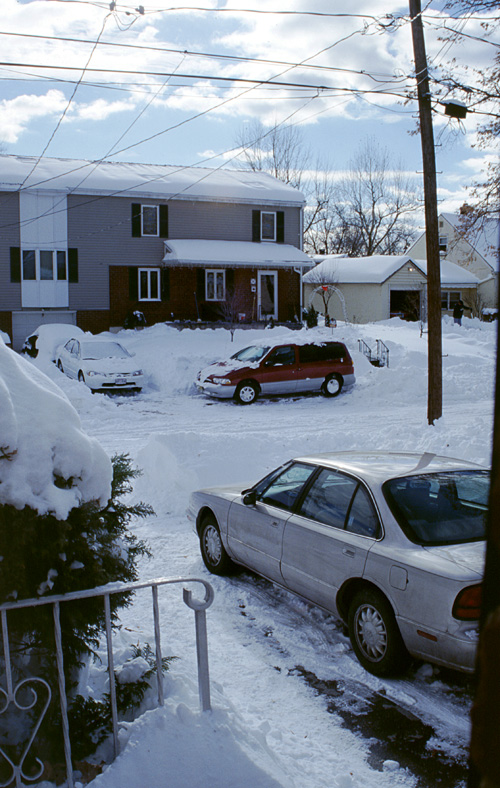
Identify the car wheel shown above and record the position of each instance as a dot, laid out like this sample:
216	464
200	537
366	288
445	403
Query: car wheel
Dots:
374	634
332	385
246	393
60	366
213	552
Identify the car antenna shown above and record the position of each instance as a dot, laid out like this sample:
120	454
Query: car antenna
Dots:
425	459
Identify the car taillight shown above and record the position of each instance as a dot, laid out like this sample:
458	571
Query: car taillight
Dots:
467	606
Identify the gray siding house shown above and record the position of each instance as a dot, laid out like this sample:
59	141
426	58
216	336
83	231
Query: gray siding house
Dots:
92	243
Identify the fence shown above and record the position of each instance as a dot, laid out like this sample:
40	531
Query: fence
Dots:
14	694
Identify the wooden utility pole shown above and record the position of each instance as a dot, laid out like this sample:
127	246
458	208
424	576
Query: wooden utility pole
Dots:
435	352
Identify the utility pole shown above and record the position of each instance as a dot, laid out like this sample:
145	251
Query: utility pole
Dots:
435	352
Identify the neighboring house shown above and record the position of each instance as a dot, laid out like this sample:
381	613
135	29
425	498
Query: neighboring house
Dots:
367	289
477	252
93	242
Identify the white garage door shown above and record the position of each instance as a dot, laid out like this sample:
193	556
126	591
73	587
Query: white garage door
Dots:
25	323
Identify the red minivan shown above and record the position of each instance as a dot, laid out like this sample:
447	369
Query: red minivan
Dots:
290	368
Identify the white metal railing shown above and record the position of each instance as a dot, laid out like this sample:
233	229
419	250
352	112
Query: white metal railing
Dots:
13	694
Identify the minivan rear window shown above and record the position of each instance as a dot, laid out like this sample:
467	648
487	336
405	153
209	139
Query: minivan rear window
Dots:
329	351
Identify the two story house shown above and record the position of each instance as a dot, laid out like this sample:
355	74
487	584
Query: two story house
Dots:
91	243
475	251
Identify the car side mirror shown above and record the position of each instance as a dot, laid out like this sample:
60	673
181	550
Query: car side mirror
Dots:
250	498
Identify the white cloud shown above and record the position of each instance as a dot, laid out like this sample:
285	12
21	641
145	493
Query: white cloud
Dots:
16	115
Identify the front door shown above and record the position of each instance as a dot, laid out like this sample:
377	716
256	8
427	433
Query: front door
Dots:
268	295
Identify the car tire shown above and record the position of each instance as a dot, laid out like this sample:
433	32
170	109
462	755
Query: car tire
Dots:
246	393
374	634
332	385
213	552
60	366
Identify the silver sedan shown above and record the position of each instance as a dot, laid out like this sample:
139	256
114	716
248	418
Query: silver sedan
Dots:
393	544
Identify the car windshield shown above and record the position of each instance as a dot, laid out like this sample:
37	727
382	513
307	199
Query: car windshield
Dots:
252	353
96	350
440	508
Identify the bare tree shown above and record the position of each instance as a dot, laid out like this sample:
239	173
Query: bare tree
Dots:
326	287
231	308
279	150
377	202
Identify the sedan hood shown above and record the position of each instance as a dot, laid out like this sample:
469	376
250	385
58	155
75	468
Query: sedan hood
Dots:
469	556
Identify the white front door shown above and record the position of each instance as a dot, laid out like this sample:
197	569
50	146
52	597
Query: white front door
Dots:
268	295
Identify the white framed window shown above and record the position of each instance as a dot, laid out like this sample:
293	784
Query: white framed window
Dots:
267	226
149	284
150	224
215	284
443	244
449	298
44	265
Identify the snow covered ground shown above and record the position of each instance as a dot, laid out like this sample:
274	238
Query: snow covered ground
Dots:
291	705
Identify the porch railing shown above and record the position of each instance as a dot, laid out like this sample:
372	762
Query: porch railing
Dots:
14	694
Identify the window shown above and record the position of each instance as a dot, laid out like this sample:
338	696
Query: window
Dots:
443	244
329	498
363	518
149	219
267	226
449	298
215	285
285	489
281	356
149	284
43	265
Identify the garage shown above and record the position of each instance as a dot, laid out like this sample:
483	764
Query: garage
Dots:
25	323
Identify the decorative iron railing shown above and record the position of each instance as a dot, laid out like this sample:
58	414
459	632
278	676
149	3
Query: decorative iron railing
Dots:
16	695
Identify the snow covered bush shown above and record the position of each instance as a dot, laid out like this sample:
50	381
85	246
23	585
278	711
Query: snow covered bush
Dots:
63	528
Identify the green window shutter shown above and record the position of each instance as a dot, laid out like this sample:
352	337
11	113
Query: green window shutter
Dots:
73	266
229	281
256	226
136	220
280	227
15	264
163	221
165	284
133	283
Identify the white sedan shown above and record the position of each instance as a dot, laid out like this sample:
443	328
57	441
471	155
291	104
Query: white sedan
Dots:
391	543
102	364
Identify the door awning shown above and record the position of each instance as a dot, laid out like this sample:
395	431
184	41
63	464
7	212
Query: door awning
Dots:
232	254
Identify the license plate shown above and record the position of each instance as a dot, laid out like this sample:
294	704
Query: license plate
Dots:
121	382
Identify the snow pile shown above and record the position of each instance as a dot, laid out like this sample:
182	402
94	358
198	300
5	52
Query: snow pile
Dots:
41	439
268	727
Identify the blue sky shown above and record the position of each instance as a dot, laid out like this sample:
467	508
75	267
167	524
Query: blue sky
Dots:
136	116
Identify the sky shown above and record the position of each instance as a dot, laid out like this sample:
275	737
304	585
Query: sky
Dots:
348	77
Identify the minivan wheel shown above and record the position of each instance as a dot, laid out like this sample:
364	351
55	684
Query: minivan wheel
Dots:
332	385
246	393
374	634
60	366
213	552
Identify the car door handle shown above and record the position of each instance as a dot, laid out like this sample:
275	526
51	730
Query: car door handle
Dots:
348	552
275	523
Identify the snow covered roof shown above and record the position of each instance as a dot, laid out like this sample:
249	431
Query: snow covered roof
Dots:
144	180
378	268
234	253
485	239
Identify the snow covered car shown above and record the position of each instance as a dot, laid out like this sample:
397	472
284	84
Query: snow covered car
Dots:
393	544
47	338
102	364
279	369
